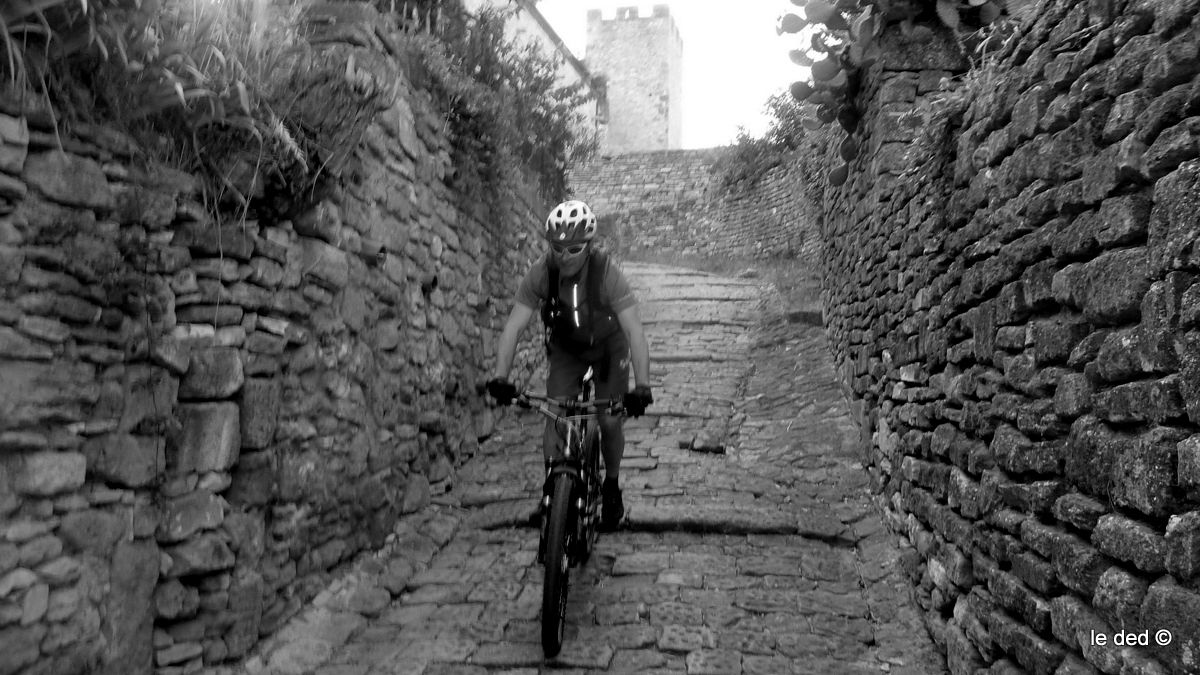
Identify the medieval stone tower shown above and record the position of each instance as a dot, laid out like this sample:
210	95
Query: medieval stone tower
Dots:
640	59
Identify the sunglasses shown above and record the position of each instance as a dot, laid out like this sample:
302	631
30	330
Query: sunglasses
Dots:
569	251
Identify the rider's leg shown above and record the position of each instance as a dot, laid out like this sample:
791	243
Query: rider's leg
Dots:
613	448
562	381
612	383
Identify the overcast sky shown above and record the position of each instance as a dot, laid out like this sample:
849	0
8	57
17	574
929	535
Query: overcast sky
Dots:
732	58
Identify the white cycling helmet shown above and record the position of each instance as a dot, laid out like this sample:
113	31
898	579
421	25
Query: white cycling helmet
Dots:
570	222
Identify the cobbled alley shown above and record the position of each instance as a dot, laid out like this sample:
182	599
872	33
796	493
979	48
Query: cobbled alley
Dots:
751	546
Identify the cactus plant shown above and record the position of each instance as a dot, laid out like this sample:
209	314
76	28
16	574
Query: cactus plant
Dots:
839	40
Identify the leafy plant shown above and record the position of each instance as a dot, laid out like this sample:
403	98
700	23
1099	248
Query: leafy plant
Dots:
749	158
839	39
505	107
197	82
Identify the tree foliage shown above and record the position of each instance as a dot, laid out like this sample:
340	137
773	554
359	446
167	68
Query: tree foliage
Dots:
786	140
505	106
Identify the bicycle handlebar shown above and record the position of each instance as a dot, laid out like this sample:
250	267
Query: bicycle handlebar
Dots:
582	409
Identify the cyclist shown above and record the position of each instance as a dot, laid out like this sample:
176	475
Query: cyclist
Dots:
591	319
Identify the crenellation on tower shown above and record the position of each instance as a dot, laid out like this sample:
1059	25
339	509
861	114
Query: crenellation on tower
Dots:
640	59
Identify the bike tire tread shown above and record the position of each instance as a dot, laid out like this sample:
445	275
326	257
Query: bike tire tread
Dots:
557	566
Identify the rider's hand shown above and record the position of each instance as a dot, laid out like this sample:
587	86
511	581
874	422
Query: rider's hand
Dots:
637	400
502	390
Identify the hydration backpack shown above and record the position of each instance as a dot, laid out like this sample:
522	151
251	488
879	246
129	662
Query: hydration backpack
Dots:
586	324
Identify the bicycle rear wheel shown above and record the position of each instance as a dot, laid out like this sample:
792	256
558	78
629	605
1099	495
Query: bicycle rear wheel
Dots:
559	533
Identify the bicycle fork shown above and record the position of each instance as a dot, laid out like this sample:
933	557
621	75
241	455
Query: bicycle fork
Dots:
582	515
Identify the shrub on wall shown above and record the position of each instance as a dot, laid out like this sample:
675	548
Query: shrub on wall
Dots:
838	40
209	87
787	141
504	106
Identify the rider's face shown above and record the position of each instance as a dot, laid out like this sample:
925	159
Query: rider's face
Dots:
570	257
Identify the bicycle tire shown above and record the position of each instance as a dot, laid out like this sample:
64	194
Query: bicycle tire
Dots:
559	532
591	519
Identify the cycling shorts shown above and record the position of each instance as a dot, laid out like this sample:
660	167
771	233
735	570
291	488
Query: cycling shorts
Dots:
609	363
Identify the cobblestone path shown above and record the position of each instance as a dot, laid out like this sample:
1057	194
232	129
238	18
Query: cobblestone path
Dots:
751	545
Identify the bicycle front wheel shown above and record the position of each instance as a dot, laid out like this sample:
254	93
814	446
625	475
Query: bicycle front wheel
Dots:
559	533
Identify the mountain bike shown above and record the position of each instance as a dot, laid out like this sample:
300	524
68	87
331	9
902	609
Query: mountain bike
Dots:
571	503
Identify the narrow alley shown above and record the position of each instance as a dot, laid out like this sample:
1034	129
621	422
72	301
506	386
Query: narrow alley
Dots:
751	544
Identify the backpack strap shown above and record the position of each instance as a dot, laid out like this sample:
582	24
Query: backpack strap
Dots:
552	307
597	269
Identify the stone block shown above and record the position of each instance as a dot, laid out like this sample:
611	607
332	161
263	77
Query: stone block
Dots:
1075	623
126	460
16	346
1128	353
1156	401
1171	607
1091	453
12	189
1174	228
210	439
69	179
1053	339
1188	349
43	393
1030	650
21	646
1109	289
254	480
93	530
250	296
1143	475
327	265
1183	545
185	516
323	221
265	272
259	406
1173	146
48	473
204	554
130	605
1130	541
246	605
961	655
214	374
1073	395
1079	510
1118	598
171	354
262	342
217	315
1079	565
1017	454
1034	497
173	600
1035	572
150	395
1188	467
14	144
247	538
206	239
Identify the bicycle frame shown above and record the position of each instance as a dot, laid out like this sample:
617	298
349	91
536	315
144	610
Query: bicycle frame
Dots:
569	526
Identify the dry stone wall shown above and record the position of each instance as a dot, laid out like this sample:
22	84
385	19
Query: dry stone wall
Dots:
670	201
201	418
1012	300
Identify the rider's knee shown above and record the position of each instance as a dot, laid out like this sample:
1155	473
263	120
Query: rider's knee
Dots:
610	423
